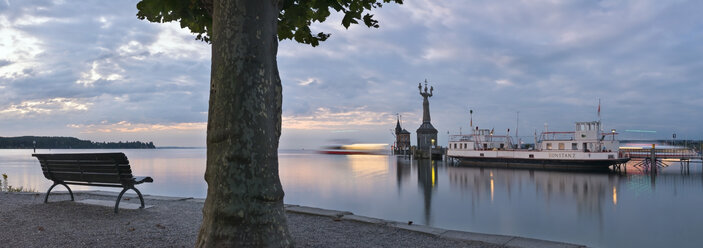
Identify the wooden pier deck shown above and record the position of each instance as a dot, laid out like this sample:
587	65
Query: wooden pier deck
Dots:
650	159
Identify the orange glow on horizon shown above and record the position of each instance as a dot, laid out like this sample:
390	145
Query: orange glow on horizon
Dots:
127	127
326	119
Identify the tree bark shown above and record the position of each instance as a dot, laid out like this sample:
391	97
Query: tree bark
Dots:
244	205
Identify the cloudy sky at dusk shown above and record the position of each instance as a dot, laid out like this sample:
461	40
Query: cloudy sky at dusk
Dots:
92	70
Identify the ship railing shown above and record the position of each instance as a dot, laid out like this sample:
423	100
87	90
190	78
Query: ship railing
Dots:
461	138
645	152
557	136
478	140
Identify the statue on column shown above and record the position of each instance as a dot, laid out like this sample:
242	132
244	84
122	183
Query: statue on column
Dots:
425	102
426	133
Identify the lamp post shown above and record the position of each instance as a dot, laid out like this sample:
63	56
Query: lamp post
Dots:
613	131
471	116
673	139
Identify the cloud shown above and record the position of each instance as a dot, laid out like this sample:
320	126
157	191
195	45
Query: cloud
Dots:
326	119
504	82
309	81
102	55
55	106
110	72
127	127
550	60
18	49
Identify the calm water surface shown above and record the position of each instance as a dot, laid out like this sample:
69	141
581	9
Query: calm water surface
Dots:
599	210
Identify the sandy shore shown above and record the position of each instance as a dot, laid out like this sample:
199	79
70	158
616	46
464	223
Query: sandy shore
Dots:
25	221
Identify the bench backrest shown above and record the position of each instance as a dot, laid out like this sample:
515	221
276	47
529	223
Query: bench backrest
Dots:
86	167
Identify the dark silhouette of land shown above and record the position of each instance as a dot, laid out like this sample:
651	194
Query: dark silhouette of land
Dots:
28	142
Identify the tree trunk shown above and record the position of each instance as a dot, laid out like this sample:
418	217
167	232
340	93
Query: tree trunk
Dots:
244	205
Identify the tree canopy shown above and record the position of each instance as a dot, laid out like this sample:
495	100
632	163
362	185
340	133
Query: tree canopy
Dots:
294	20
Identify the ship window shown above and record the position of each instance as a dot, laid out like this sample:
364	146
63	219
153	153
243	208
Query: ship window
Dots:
481	154
454	145
485	146
610	156
466	145
561	146
574	146
532	156
549	146
502	145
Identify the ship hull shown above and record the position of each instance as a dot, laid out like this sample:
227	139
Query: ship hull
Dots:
542	164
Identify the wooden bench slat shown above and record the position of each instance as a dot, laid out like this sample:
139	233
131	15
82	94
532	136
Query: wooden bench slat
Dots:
91	171
88	174
86	178
97	162
87	167
65	156
116	185
94	179
93	164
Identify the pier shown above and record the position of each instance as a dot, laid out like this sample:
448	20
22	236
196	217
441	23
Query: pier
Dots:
650	159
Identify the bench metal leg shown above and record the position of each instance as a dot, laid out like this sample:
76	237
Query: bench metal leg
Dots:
46	198
119	198
141	198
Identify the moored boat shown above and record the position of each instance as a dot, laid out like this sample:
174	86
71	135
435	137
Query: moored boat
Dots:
585	148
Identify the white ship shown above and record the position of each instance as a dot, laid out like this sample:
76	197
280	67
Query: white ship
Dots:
586	148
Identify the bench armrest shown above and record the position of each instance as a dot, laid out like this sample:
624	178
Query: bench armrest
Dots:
138	180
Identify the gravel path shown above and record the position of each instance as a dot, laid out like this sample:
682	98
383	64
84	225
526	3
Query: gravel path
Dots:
25	221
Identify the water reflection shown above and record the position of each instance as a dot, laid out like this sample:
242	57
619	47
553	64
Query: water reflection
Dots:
402	171
368	165
601	210
427	178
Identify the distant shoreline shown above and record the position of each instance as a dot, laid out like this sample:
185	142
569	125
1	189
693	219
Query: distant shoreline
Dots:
41	142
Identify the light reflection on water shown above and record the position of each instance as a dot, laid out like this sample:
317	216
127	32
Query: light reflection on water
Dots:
601	210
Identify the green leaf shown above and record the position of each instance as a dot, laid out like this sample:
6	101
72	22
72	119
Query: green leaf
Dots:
294	19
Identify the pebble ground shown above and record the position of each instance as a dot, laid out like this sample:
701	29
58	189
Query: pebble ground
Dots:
25	221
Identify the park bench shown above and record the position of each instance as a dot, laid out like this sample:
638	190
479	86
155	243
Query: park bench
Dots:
91	169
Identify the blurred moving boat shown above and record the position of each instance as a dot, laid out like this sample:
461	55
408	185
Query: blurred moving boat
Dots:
586	148
351	149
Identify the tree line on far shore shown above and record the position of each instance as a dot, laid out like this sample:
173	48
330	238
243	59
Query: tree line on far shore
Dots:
28	142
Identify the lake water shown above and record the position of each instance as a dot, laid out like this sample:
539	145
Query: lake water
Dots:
598	210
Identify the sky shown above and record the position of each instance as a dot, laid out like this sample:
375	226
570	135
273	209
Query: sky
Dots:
94	71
